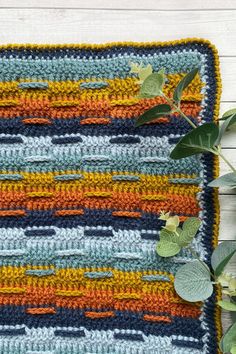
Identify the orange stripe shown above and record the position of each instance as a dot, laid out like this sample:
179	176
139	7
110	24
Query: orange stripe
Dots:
69	212
103	121
89	108
121	300
130	214
12	213
40	310
92	314
36	121
127	202
153	318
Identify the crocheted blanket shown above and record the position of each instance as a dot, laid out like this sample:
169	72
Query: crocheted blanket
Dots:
82	189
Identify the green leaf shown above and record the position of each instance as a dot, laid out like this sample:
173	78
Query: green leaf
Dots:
168	244
152	85
229	113
190	228
145	72
233	349
153	113
226	305
199	140
187	79
228	341
228	179
193	282
167	248
226	124
222	255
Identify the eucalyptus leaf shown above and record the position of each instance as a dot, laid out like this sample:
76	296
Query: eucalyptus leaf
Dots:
167	248
222	255
199	140
226	124
190	228
228	179
226	305
153	113
233	349
152	85
186	80
228	341
168	245
193	282
228	113
145	72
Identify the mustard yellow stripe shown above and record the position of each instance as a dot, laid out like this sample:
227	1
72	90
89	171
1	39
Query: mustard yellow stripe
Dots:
15	277
217	309
117	89
45	182
109	44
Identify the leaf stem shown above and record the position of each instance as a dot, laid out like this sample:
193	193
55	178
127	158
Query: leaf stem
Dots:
177	109
215	150
226	161
195	255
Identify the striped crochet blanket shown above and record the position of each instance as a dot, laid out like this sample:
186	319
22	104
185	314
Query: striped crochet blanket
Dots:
81	191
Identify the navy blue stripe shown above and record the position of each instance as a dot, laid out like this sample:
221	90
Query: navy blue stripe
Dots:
102	52
69	333
91	217
12	332
148	236
40	232
187	344
10	140
125	140
129	336
67	140
13	315
98	233
72	126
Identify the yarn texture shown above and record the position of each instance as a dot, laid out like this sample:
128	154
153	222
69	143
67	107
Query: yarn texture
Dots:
81	191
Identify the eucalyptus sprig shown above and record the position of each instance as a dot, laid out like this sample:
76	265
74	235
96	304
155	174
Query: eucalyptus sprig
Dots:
205	138
194	281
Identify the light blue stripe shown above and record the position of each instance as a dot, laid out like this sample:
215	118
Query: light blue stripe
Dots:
125	178
10	177
77	69
94	342
68	177
155	278
33	85
96	253
93	85
98	275
185	180
40	272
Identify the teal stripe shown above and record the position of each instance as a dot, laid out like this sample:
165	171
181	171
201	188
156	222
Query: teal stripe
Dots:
76	69
40	272
67	161
97	256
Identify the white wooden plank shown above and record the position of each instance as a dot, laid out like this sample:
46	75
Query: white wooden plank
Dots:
170	5
227	217
71	25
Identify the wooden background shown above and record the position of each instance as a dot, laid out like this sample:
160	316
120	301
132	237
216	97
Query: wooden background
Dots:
97	21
